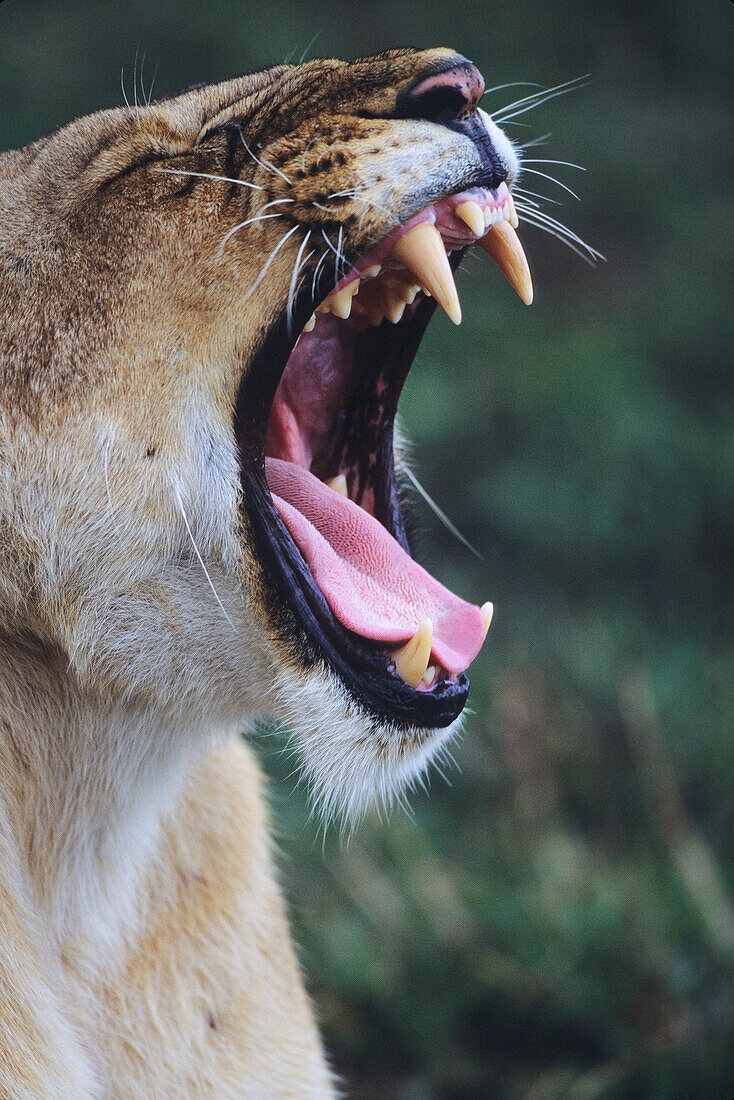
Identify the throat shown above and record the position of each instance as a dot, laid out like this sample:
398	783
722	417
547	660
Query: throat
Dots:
84	792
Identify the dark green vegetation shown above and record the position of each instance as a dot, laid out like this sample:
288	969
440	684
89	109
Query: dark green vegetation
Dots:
557	921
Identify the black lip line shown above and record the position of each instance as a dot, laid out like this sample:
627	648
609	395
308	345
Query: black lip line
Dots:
364	670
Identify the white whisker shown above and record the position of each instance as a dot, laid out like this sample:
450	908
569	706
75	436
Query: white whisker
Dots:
248	221
513	84
270	260
542	140
201	560
294	277
152	84
536	195
566	163
339	253
324	254
441	514
264	163
561	232
545	176
528	103
209	176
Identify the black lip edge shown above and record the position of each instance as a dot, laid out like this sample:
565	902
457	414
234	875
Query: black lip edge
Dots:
362	668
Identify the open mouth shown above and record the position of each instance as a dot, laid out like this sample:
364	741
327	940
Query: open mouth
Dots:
318	471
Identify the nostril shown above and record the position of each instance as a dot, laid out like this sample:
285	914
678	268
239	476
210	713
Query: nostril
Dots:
445	96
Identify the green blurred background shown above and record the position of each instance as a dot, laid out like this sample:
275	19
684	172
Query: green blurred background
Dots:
556	918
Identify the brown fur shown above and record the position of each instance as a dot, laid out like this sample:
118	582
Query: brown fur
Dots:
143	945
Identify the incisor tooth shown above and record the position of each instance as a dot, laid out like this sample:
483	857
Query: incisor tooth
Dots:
513	213
394	310
471	213
411	660
340	302
487	611
339	485
309	326
421	250
502	244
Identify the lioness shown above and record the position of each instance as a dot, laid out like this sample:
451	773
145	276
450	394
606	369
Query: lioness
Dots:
209	306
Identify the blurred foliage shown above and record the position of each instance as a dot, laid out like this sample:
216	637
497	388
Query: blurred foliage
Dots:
556	919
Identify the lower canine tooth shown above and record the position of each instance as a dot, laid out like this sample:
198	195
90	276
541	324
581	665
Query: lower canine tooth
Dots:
487	611
421	250
471	213
411	660
502	244
339	485
429	676
309	326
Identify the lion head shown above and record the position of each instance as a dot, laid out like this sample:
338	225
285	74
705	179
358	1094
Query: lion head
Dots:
209	306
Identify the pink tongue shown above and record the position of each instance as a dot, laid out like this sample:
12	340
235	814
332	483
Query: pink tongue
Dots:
372	586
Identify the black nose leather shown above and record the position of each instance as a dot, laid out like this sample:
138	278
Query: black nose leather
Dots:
445	96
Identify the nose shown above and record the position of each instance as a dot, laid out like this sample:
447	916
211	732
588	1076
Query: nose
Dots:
447	95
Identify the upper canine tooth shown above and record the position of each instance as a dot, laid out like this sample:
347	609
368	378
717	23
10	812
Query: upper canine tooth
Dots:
411	660
502	244
309	326
421	250
513	213
371	272
339	485
471	213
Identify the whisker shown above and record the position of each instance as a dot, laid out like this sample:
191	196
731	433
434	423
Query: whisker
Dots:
441	514
513	84
316	273
152	85
545	176
555	224
122	86
270	260
561	232
542	140
331	246
209	176
135	82
264	163
339	242
248	221
310	46
201	560
566	163
534	100
536	194
294	277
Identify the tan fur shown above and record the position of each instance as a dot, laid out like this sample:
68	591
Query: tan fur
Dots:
144	950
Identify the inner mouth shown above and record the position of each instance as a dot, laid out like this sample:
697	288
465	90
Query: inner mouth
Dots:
319	482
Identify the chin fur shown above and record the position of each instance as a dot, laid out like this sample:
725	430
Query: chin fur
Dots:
352	760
